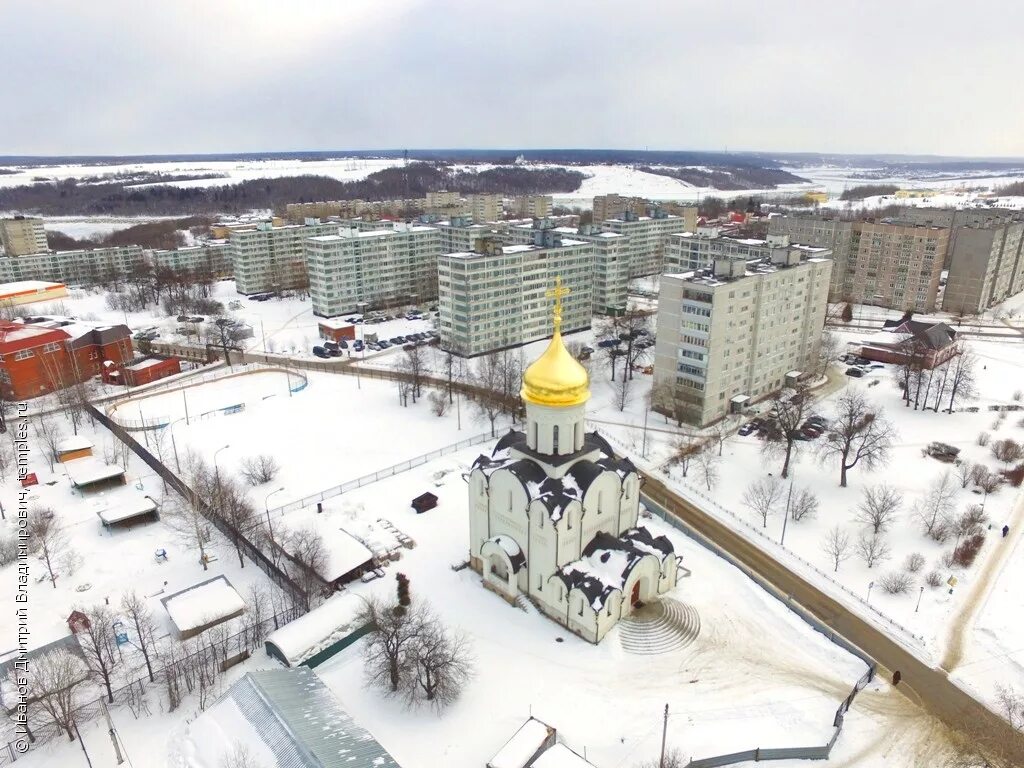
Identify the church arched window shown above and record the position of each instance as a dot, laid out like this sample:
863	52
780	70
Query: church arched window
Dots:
554	439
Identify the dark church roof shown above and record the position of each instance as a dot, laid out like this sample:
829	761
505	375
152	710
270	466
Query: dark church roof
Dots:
931	335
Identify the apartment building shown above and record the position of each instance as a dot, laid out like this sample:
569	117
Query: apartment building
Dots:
484	208
986	266
460	234
352	268
612	206
647	236
736	333
688	251
90	266
445	204
269	258
532	206
895	264
22	235
832	233
494	298
210	259
688	213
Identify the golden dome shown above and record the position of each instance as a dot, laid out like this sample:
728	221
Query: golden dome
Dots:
556	378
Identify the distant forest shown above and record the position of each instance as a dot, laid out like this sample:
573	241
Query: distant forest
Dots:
868	190
1016	188
75	197
728	178
167	233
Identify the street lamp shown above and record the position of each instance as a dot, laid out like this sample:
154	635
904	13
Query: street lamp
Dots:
919	596
216	469
266	506
870	585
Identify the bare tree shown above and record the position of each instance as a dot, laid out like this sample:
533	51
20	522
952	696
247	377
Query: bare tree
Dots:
439	403
50	435
487	377
829	352
260	469
1007	451
673	759
684	449
762	497
935	509
717	434
454	370
965	472
970	522
1011	705
186	520
707	467
54	681
388	650
781	430
140	618
621	387
873	548
240	757
99	646
257	607
308	553
224	333
440	664
962	385
628	328
47	537
413	365
837	546
879	507
803	506
859	435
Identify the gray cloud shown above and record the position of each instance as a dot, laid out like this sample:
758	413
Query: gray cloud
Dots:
119	76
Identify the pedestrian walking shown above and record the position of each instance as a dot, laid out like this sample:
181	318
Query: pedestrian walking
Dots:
1006	530
896	677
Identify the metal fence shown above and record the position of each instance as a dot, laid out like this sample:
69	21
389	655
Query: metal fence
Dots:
819	752
247	547
373	477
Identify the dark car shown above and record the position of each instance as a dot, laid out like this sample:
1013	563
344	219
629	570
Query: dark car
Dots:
605	343
855	373
343	344
747	429
321	352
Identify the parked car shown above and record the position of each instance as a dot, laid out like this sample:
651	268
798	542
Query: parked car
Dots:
321	352
747	429
855	373
605	343
343	344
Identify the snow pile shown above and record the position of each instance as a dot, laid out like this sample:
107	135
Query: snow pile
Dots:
213	601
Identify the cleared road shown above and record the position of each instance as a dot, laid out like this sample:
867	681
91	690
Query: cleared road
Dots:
930	687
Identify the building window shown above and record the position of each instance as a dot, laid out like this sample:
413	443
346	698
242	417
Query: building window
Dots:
23	354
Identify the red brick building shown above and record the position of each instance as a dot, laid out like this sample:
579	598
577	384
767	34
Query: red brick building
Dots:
36	358
150	369
930	344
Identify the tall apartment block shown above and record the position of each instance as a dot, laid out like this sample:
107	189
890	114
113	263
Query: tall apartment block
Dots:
494	298
688	251
612	206
734	334
986	266
532	206
647	236
460	234
375	267
832	233
211	259
688	213
484	208
444	203
90	266
23	235
269	258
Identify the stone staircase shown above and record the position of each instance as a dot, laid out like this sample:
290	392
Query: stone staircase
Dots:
660	627
526	604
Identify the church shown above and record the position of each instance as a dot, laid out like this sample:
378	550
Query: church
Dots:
554	513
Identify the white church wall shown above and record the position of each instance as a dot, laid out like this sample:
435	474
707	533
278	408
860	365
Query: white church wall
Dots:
629	502
542	549
507	512
569	532
541	424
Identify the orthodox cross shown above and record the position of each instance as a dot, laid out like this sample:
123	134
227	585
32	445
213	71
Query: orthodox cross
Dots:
557	293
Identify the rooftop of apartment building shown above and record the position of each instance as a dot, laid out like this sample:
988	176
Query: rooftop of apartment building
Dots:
349	234
575	231
713	233
509	250
728	270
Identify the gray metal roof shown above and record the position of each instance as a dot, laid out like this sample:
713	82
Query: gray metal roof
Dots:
302	723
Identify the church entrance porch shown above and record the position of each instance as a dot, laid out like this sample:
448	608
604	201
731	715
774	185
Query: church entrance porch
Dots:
661	626
634	598
501	562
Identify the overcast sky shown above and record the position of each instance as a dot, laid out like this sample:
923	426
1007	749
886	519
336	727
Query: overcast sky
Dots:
165	76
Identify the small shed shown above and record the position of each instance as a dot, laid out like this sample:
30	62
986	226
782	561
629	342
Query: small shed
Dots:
150	369
77	621
346	559
202	606
92	474
314	637
74	447
424	502
133	507
525	746
336	330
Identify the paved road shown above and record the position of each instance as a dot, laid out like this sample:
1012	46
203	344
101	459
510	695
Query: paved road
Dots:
929	687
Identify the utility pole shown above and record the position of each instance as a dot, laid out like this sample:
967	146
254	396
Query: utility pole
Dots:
785	519
111	731
664	733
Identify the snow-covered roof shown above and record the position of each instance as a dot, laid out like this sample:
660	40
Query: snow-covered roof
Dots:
90	469
149	362
287	717
133	506
24	286
206	603
607	562
525	743
74	443
345	553
309	634
560	756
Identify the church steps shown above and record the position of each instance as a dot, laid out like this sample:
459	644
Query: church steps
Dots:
663	627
